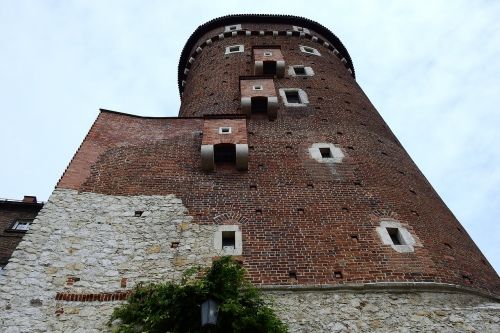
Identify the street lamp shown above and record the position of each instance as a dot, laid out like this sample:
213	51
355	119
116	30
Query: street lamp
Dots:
209	311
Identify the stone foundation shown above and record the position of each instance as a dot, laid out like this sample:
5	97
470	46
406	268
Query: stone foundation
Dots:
333	311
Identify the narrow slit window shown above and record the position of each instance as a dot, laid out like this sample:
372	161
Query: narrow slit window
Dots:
325	152
257	87
268	54
395	235
234	49
292	96
228	240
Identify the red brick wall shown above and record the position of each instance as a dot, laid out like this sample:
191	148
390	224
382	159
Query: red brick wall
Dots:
258	54
211	134
303	216
268	89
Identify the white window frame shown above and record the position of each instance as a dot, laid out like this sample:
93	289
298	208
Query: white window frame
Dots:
336	154
406	238
268	54
25	223
238	243
304	101
308	70
306	48
241	49
258	87
236	27
221	130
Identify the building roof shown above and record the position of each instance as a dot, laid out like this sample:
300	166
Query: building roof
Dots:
258	18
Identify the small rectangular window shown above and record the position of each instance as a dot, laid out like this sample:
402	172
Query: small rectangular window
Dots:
234	49
22	224
395	236
234	27
268	54
228	240
224	130
299	70
257	87
325	152
292	96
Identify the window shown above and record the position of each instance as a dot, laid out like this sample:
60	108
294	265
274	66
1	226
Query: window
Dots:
224	130
22	224
294	97
257	87
228	240
234	27
268	54
299	70
325	152
395	236
309	50
234	49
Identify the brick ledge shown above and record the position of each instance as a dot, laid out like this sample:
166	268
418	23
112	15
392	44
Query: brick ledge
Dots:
399	287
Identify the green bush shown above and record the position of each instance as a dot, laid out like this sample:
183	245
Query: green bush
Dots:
175	308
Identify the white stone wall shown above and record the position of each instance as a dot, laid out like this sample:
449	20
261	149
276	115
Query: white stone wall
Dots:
325	311
97	239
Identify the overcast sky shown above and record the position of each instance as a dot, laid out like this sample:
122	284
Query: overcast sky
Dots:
431	68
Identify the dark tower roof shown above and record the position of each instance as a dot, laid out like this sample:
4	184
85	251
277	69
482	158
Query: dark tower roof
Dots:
257	18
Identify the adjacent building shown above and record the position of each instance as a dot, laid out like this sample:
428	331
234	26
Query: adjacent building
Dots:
16	217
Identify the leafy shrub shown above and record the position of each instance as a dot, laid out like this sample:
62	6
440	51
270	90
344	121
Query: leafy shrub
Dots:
175	308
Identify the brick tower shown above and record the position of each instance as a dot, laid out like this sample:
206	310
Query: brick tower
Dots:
277	157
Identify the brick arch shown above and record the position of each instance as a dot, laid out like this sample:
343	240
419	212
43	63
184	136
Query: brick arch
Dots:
230	218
